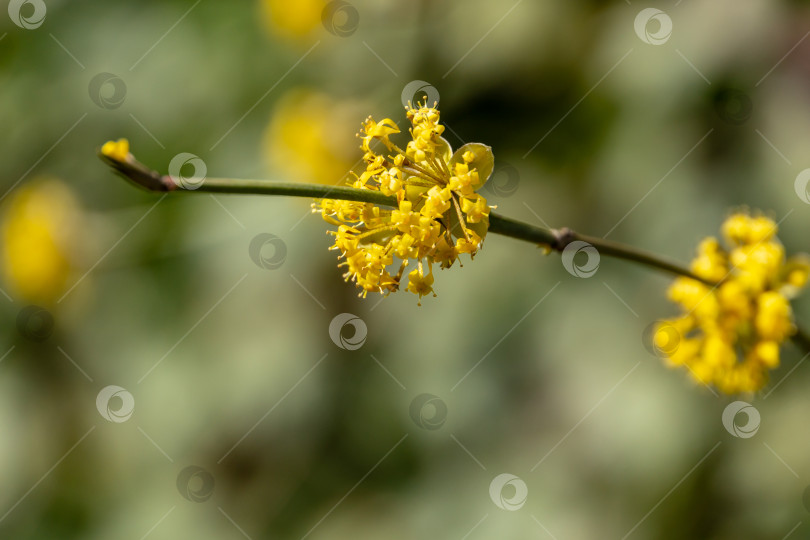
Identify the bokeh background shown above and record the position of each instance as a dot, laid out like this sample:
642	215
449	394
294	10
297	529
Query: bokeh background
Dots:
232	411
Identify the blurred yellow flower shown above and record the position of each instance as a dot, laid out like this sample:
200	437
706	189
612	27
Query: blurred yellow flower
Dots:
439	214
39	224
729	334
310	137
290	19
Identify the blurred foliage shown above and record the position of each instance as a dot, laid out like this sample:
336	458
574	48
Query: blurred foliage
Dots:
231	365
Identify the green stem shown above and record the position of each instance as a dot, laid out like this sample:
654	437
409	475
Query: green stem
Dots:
556	239
295	189
559	239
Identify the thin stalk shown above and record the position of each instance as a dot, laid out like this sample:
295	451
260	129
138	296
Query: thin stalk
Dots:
559	239
295	189
555	239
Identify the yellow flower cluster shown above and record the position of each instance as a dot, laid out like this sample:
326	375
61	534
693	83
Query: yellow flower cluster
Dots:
438	216
730	333
39	227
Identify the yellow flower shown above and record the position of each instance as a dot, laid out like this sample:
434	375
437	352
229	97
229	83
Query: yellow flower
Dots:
39	226
300	144
730	333
420	284
438	215
117	150
289	19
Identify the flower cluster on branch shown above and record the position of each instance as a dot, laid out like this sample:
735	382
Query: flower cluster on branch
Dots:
421	205
729	334
439	214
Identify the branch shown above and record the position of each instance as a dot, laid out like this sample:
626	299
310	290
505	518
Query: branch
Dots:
555	239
